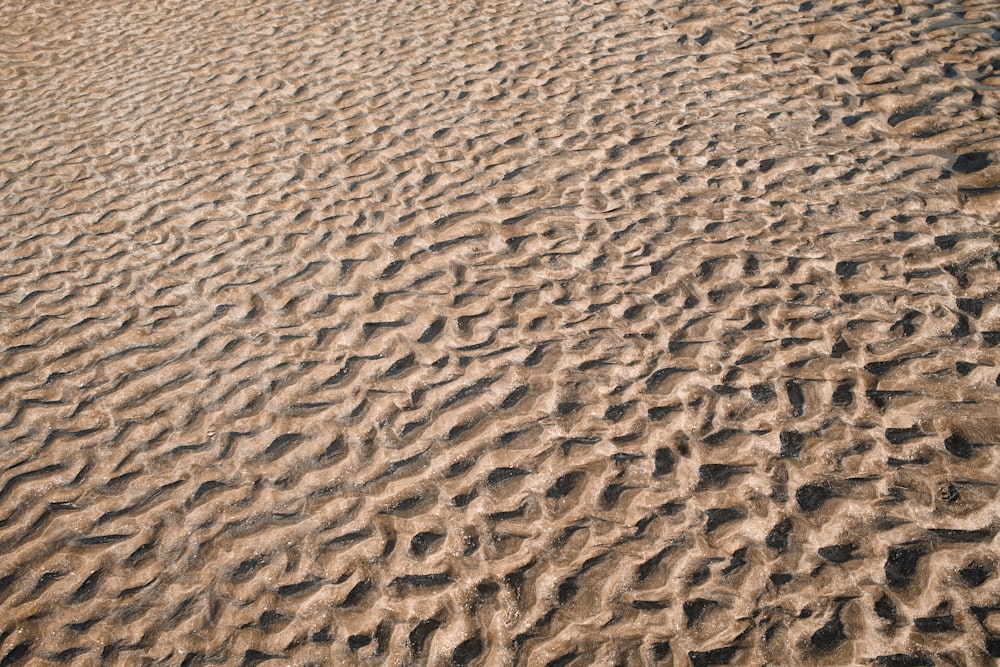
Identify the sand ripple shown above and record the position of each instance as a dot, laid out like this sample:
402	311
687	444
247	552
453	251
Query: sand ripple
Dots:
555	333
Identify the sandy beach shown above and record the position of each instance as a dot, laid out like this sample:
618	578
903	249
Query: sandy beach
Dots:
553	334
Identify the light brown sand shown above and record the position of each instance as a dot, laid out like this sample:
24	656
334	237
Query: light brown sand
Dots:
549	333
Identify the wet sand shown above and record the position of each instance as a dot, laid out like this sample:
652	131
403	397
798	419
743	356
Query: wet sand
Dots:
564	333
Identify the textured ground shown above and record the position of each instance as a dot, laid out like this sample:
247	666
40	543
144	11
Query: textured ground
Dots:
544	333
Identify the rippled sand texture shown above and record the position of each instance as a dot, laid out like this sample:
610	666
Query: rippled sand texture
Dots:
594	333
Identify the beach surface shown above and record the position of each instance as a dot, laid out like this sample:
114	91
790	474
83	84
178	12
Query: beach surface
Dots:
499	333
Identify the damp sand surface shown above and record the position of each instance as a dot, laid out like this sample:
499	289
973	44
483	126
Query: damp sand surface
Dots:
555	333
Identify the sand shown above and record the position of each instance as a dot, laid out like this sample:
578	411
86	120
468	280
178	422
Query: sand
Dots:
552	333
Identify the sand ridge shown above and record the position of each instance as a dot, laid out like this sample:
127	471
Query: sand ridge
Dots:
561	333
